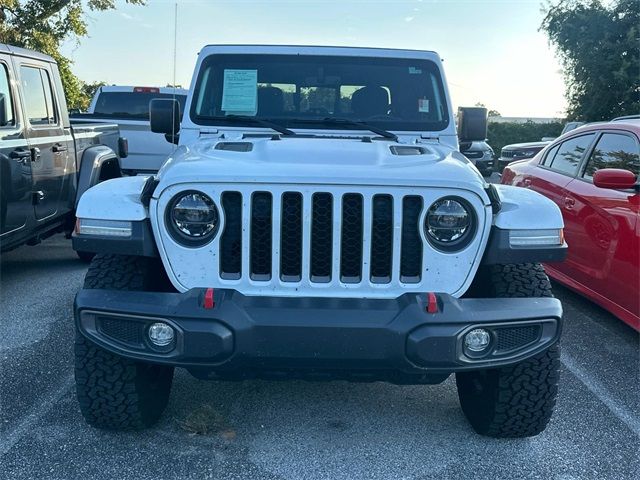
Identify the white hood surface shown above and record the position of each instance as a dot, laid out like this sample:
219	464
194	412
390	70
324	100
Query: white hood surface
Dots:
320	161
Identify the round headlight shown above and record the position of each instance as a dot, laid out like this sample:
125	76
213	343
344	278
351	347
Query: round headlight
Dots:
192	218
449	223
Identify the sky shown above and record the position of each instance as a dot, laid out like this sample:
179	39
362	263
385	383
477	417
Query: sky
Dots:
493	52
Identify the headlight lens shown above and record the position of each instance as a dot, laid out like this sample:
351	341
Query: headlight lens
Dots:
450	223
192	218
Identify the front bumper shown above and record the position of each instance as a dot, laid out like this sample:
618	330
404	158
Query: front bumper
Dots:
245	335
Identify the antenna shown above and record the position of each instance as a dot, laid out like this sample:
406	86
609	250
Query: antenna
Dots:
175	56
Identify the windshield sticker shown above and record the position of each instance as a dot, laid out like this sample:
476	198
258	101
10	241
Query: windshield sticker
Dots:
240	92
423	105
415	71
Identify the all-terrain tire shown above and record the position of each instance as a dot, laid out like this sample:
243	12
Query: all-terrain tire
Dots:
517	400
113	392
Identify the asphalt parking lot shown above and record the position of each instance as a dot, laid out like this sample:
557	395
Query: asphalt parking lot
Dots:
297	430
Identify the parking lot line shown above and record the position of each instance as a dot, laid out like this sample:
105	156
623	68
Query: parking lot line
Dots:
34	417
622	413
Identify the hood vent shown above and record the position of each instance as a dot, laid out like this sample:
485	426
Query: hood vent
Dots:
404	150
234	146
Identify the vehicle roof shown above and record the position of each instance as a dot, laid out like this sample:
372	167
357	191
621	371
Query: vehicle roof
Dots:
321	50
129	88
528	144
632	124
23	52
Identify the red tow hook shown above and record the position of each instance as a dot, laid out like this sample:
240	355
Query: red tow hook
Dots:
208	303
432	303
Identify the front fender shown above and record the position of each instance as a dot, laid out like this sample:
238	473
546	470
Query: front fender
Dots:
115	199
115	204
98	163
523	209
535	216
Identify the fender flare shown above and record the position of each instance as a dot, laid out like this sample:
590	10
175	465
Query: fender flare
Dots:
98	163
517	208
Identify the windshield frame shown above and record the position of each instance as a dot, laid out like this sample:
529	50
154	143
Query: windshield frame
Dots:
316	124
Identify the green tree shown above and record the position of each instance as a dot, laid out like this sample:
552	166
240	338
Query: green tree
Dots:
599	47
43	25
505	133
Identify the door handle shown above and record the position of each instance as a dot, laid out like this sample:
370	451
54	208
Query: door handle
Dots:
35	154
58	147
20	154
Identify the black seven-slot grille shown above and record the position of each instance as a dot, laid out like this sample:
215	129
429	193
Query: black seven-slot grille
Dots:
324	240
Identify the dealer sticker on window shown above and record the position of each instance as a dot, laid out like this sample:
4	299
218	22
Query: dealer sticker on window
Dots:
240	91
423	105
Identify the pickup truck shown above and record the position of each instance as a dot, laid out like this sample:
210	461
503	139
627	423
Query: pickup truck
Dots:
128	107
46	162
318	221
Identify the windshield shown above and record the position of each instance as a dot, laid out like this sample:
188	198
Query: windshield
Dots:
130	104
302	91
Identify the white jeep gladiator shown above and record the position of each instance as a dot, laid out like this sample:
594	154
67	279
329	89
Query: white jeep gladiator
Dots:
318	221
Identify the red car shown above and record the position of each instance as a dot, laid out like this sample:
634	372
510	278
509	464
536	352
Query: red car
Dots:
592	174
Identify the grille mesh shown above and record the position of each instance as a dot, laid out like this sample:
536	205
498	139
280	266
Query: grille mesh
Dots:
321	237
351	242
336	223
261	236
516	337
124	331
291	237
231	240
381	239
411	245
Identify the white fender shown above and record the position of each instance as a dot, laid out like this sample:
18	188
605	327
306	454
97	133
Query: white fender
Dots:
116	199
524	209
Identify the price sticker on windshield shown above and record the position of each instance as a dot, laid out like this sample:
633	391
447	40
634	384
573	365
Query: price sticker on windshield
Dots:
240	92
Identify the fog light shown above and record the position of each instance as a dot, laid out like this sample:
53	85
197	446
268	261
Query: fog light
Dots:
477	340
160	334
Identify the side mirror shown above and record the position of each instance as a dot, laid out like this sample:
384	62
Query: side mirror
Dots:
472	124
615	178
164	116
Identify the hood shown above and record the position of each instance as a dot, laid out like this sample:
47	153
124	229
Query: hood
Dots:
331	161
515	146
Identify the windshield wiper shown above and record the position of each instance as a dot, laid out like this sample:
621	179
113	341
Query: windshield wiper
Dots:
358	123
258	121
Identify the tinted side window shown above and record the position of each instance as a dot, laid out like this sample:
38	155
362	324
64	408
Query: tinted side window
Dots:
570	153
130	104
548	158
38	98
6	100
614	151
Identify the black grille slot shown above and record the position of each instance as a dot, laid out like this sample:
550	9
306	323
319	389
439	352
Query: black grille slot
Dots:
291	238
411	245
351	239
321	237
124	331
381	239
261	236
231	240
516	337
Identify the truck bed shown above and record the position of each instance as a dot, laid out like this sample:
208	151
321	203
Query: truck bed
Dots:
147	150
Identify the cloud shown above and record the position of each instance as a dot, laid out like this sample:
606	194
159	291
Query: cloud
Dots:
126	16
408	19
